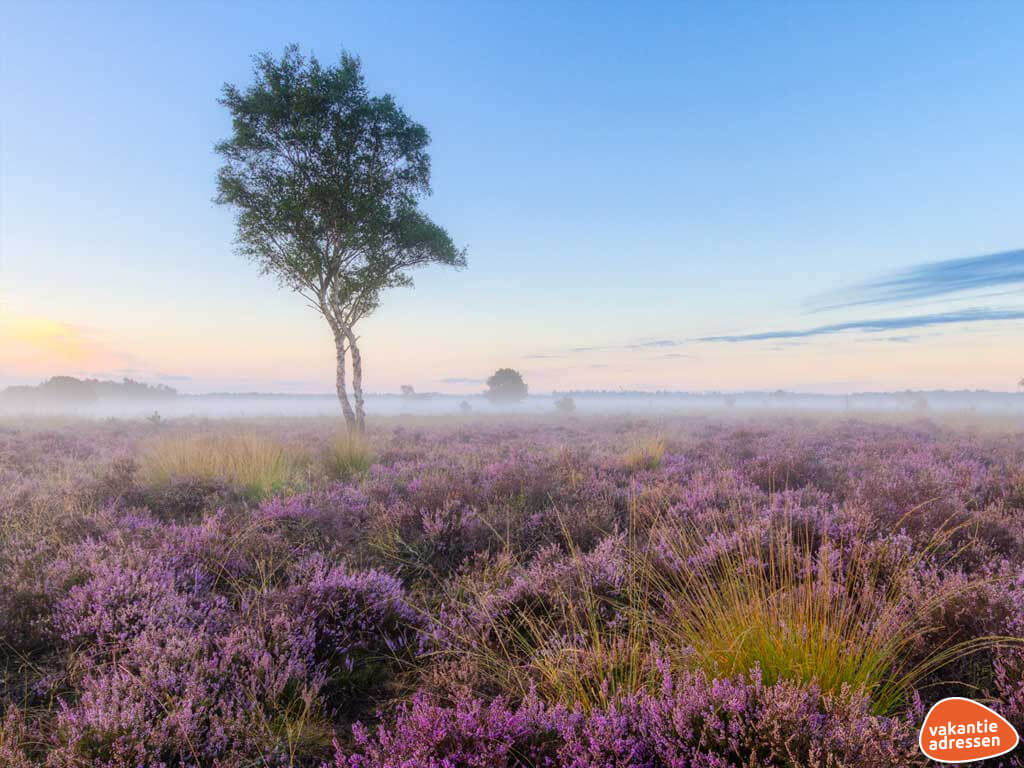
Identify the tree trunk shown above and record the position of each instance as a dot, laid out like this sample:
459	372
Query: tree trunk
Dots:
339	381
357	380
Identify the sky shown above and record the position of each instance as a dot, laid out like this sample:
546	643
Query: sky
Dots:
823	197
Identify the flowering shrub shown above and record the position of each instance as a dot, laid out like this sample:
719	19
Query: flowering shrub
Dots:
689	721
338	512
214	642
473	734
16	740
357	622
508	595
1009	660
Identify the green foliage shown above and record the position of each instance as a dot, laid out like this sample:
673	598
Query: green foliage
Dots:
326	181
506	385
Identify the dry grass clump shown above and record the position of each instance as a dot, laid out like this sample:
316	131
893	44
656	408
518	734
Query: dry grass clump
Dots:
569	626
804	608
644	453
257	463
348	455
571	650
603	663
724	598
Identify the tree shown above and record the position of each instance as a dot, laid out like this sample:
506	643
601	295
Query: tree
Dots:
326	181
505	386
565	404
68	388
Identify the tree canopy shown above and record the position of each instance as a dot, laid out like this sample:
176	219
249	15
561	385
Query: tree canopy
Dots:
506	385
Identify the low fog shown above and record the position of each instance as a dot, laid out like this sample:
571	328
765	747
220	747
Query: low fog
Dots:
264	405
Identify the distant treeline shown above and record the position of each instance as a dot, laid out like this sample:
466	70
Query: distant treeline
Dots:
964	398
774	393
68	389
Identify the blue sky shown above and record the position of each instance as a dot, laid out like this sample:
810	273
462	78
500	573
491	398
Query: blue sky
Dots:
653	195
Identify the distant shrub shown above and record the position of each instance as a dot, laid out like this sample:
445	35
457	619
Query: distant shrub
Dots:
258	464
565	404
505	386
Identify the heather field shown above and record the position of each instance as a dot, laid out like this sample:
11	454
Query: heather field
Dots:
671	592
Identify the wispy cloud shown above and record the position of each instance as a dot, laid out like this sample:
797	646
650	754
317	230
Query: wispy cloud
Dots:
653	344
461	380
972	315
632	346
938	278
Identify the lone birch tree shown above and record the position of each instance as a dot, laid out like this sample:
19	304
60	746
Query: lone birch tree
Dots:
326	180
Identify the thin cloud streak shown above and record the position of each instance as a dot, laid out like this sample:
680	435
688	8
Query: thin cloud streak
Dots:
653	344
639	345
972	315
939	278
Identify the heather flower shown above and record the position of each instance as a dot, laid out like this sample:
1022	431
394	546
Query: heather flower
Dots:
358	621
193	697
339	512
16	739
689	721
470	734
121	599
181	625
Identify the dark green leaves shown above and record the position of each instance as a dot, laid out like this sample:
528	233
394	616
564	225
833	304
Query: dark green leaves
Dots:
326	181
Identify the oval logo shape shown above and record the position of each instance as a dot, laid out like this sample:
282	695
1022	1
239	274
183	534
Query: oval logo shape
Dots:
958	730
